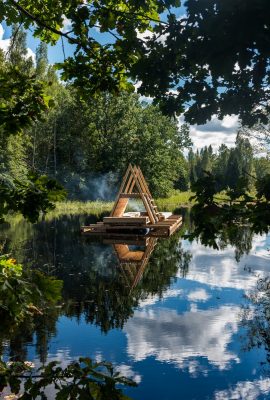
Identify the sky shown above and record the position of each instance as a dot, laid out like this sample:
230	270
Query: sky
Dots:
214	132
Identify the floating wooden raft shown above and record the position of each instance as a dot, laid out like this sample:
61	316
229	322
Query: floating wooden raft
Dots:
151	222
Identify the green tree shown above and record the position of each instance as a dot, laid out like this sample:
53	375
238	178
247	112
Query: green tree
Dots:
22	101
261	166
42	60
220	166
192	169
17	52
83	140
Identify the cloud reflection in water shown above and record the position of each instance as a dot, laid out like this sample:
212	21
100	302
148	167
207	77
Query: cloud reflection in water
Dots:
179	338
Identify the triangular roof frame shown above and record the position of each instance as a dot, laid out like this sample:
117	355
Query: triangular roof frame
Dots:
134	186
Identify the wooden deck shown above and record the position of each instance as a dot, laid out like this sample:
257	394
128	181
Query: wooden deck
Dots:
134	226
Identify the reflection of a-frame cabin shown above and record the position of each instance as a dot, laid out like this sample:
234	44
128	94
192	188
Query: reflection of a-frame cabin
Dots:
149	221
133	258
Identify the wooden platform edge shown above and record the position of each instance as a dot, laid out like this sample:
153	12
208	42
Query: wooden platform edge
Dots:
163	228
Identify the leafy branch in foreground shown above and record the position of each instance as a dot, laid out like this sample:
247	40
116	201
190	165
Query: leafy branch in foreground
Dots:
156	43
31	197
22	99
24	292
82	379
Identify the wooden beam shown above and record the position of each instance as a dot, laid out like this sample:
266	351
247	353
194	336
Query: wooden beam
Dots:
120	207
121	188
133	176
144	182
148	209
130	196
126	220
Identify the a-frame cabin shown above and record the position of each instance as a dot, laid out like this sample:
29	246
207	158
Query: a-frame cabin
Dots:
134	186
150	221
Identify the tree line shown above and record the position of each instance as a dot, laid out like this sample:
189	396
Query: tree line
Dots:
235	168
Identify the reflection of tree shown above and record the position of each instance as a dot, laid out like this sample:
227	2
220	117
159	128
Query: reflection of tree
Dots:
37	296
93	282
219	226
256	318
36	329
108	301
82	379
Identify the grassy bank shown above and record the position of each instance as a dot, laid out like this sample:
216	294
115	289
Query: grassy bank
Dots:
97	208
180	199
177	200
80	207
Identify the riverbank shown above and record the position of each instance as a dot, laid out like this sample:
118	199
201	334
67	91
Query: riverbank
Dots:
98	207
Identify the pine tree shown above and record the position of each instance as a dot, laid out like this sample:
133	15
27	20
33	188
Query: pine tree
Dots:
192	170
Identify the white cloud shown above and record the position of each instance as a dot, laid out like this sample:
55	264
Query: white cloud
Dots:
173	337
67	25
230	121
248	390
215	132
144	35
30	53
4	45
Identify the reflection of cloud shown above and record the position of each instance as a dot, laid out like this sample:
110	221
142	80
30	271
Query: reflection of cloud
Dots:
150	300
62	356
127	372
247	390
178	338
219	267
198	295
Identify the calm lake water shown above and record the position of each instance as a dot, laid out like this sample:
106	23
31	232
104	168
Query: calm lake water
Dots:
187	324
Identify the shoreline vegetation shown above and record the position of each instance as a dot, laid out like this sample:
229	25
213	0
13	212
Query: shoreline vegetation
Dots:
172	203
97	207
175	201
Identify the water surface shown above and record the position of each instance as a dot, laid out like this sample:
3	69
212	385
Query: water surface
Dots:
182	327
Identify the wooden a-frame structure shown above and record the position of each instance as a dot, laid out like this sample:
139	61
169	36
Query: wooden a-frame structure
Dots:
150	222
134	186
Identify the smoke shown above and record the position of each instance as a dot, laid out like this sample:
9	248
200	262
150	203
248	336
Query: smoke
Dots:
91	187
135	205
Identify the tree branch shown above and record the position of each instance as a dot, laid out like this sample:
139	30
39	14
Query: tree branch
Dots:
41	23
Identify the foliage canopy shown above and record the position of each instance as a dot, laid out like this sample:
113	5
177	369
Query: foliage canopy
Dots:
185	63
